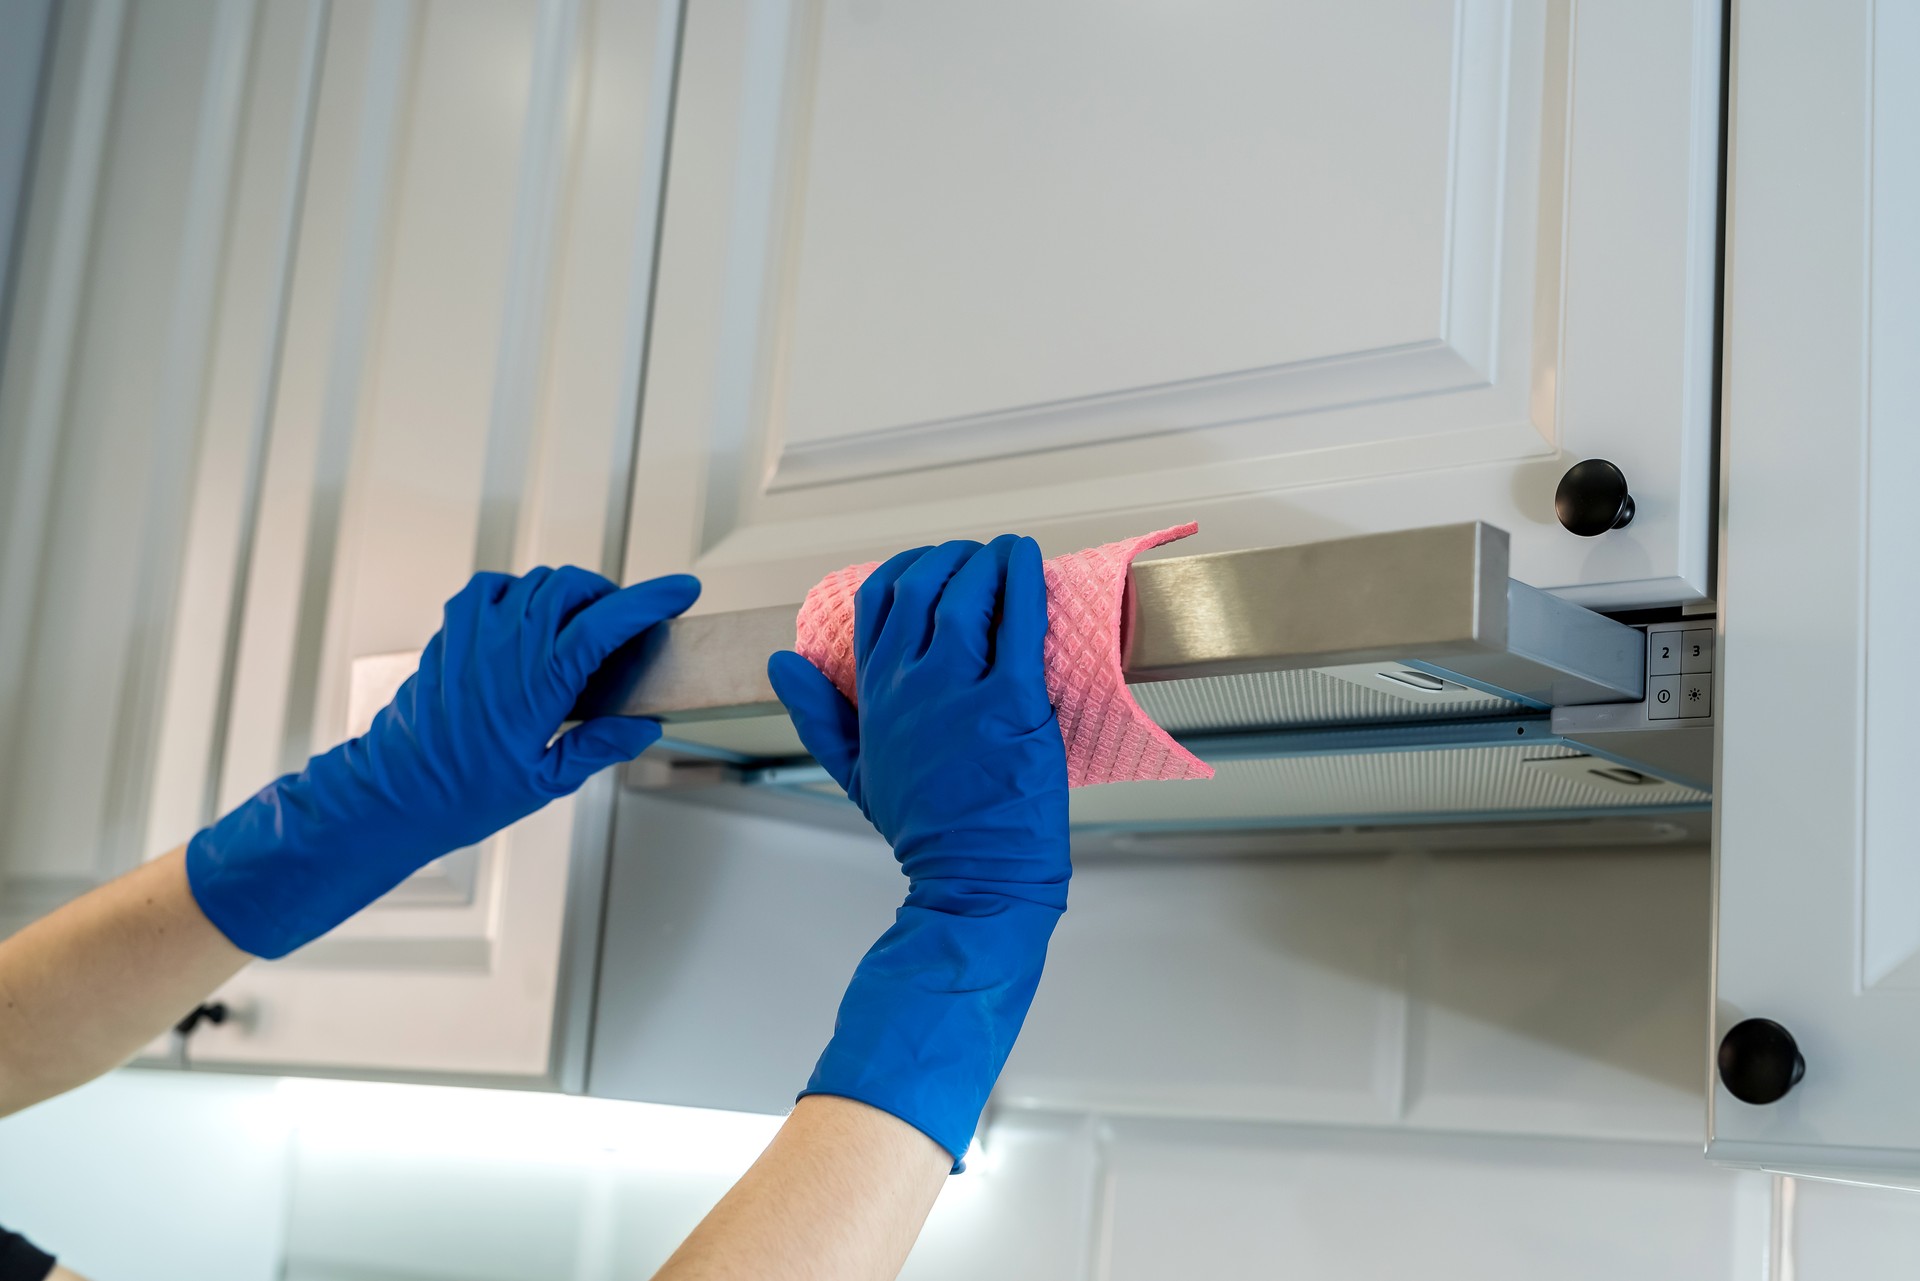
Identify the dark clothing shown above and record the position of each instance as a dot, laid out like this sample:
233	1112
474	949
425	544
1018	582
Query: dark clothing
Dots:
21	1260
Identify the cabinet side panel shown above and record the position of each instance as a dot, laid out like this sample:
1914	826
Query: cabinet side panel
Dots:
1813	848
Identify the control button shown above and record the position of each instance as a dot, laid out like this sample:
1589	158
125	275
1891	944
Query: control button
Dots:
1663	697
1663	653
1696	694
1696	650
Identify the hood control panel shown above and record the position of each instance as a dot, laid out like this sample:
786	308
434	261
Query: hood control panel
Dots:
1679	673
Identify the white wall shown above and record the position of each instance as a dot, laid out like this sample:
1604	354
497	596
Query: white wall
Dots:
1073	1197
156	1177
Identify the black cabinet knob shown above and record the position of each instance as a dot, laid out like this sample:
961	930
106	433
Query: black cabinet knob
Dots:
1759	1061
215	1013
1593	498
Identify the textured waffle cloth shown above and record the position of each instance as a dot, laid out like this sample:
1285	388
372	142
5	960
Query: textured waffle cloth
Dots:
1108	738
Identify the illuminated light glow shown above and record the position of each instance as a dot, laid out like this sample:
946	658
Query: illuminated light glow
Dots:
983	1158
520	1127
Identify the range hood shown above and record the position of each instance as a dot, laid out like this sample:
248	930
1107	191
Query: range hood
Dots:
1389	679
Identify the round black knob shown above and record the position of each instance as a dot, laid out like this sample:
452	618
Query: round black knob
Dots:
1593	498
1759	1061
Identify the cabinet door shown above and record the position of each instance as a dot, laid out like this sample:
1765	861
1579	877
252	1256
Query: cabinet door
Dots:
1818	867
151	184
453	386
1368	981
1293	269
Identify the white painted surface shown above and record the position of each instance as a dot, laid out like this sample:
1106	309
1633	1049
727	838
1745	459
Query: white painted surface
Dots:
455	382
1817	869
1557	994
1846	1233
247	1179
323	307
269	168
1249	988
1296	271
1545	993
729	940
586	1190
153	1175
115	319
1332	1206
24	30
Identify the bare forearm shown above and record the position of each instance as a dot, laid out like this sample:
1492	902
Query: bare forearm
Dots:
840	1193
82	989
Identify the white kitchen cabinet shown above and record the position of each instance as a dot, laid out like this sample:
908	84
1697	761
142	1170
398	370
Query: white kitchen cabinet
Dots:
143	206
323	307
453	385
1400	980
1818	869
24	28
1293	270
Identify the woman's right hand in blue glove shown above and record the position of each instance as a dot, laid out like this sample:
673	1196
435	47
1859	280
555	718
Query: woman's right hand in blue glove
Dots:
954	754
466	747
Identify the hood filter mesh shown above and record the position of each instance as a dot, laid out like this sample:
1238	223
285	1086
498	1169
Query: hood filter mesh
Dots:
1438	784
1270	700
1453	782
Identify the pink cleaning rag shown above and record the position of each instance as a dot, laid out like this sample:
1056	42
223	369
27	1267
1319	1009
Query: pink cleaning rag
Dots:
1108	738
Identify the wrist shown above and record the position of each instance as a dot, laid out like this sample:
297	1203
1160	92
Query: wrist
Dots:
976	897
972	872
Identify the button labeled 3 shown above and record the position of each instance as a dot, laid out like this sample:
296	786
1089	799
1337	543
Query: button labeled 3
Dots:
1696	650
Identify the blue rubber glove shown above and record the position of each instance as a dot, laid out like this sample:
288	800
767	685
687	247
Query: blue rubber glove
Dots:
954	754
465	748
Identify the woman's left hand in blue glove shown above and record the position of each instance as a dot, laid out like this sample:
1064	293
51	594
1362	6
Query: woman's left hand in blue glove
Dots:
466	747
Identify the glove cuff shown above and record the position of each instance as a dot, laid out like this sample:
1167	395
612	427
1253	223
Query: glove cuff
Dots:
279	869
932	1013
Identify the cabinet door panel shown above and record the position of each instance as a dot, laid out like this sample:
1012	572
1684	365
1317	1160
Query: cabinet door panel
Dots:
1294	270
1817	868
141	197
456	381
1456	990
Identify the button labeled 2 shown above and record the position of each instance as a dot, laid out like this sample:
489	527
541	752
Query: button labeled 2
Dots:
1664	650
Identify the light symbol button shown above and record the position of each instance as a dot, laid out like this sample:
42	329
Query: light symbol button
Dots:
1696	695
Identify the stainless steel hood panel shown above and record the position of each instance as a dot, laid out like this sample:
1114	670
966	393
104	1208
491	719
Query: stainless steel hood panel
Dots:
1440	597
1393	677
